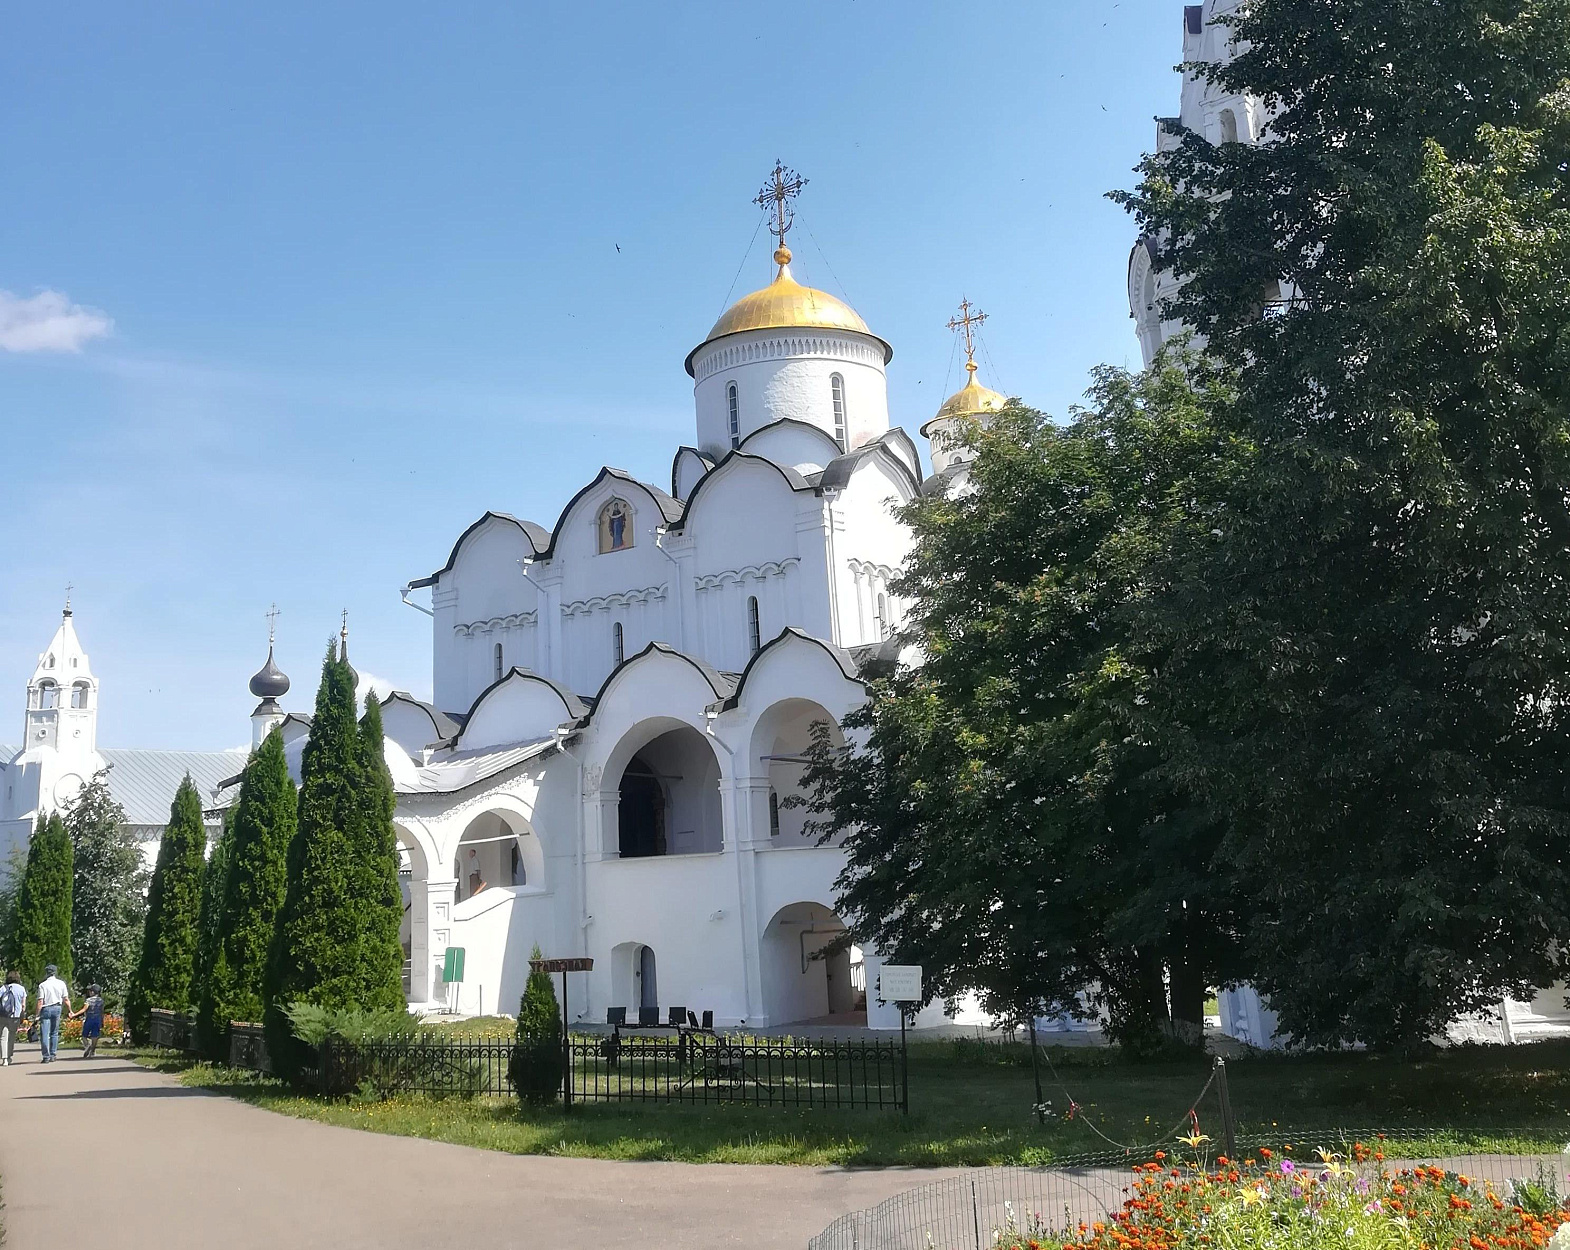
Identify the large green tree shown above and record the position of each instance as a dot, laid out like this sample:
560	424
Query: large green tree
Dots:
41	928
1004	826
109	892
336	944
1365	661
169	939
264	825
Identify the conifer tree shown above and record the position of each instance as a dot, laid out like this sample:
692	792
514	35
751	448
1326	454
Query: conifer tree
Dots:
163	974
381	899
211	1034
42	932
109	894
11	873
264	825
332	946
535	1067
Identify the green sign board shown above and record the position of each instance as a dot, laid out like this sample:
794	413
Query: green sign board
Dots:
452	966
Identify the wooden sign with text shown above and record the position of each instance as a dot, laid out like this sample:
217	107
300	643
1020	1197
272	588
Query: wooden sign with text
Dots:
582	964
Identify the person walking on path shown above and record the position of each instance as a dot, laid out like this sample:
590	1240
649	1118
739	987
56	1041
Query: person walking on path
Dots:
13	1002
92	1013
53	998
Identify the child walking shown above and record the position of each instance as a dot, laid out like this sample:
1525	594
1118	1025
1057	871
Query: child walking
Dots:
92	1013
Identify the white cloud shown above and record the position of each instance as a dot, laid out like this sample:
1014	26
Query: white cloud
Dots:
369	683
48	322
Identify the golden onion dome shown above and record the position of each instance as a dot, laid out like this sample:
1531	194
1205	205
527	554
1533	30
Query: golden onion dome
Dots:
784	305
971	400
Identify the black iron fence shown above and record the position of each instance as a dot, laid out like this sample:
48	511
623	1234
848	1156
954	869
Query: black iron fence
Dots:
422	1064
972	1210
701	1067
693	1067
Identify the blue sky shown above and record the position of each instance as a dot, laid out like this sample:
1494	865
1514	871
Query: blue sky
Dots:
296	291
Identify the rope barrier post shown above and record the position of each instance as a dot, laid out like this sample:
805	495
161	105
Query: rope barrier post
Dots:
1228	1128
1035	1067
904	1066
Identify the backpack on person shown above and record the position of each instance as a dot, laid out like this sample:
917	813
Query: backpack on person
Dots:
13	999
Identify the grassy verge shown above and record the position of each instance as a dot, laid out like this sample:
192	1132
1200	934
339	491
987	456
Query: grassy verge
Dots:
971	1106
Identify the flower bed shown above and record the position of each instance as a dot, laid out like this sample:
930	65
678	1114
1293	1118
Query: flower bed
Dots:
1271	1200
71	1030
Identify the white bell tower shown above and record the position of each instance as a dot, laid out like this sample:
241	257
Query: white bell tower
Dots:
62	696
60	736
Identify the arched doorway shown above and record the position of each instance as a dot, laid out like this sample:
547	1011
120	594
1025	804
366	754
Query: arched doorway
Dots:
806	966
634	979
641	813
648	981
668	798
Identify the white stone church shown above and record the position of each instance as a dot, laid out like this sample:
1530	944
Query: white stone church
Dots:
623	696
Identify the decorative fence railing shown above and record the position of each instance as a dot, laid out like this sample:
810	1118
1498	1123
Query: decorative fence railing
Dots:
695	1067
968	1211
699	1067
421	1064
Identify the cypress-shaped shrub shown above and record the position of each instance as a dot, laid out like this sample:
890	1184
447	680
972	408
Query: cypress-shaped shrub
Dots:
381	898
163	974
336	944
264	825
536	1066
42	928
211	1035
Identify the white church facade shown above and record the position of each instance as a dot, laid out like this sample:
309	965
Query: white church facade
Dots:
623	699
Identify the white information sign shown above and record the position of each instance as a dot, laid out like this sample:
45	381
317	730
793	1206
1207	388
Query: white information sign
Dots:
899	983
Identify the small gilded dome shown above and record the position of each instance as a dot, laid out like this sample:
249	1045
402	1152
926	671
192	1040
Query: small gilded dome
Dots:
971	400
270	682
785	304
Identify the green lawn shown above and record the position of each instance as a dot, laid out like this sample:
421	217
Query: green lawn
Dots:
971	1106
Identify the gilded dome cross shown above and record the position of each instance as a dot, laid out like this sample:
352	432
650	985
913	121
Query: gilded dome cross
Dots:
783	186
969	317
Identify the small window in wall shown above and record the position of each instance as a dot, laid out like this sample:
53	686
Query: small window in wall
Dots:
618	643
882	617
50	662
754	626
837	391
1228	126
79	694
48	694
734	404
774	814
496	661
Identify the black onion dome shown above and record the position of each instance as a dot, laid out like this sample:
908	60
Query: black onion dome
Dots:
270	683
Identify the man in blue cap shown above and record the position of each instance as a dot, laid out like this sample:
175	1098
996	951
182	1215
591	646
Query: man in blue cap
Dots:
53	998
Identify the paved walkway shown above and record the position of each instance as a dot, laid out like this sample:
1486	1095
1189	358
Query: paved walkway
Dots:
146	1164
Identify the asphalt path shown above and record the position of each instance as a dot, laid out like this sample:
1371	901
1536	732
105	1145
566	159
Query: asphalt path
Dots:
104	1152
